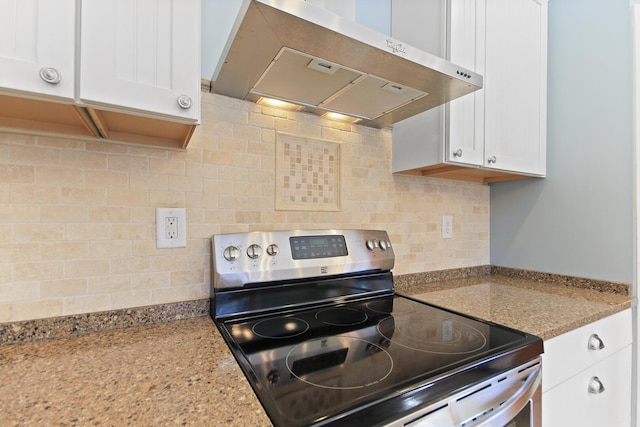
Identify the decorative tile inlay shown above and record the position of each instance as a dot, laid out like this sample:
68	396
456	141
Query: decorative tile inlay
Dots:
307	174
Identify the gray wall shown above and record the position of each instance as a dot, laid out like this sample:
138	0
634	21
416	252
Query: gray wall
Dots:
579	220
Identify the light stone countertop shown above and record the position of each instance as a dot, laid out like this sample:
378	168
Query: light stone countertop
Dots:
181	372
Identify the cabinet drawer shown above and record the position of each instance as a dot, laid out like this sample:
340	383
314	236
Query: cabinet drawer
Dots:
568	354
571	404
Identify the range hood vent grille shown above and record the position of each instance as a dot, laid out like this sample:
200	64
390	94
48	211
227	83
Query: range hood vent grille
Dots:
296	52
317	83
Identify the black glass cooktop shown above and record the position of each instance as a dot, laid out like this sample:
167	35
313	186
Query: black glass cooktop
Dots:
316	365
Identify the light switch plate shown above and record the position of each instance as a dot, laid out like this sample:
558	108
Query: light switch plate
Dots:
171	228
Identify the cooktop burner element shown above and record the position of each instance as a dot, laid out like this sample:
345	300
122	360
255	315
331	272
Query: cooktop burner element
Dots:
280	327
326	341
341	316
433	335
329	362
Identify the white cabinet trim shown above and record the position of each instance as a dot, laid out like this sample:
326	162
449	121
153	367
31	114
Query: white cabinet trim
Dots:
635	411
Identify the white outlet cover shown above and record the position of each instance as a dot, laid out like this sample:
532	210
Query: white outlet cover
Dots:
162	240
447	227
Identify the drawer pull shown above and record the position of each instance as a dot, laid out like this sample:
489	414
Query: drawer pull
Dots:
595	386
595	342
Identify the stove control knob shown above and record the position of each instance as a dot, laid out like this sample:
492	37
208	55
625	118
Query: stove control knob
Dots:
231	253
372	244
254	251
383	245
273	249
273	377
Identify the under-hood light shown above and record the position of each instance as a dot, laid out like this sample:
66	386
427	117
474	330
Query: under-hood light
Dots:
340	117
272	102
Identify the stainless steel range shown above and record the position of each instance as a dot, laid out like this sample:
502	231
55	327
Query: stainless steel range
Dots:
313	320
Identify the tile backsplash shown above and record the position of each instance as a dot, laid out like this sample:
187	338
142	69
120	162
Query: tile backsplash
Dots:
77	233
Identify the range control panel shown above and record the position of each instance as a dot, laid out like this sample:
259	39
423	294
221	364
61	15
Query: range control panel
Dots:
308	247
243	258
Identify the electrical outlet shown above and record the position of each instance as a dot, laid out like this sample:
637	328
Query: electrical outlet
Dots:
447	227
171	228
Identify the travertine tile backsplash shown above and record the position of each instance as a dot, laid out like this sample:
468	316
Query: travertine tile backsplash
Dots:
77	232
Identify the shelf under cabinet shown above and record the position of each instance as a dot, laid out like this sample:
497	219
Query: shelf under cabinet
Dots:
462	173
115	126
37	116
41	116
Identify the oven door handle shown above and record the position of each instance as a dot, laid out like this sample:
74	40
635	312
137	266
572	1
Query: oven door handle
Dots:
495	401
516	403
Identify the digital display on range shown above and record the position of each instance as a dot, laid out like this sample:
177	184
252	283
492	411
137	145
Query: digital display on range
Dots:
309	247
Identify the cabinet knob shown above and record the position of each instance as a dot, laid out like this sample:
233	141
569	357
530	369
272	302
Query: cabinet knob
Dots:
457	153
595	342
185	102
492	159
595	386
50	75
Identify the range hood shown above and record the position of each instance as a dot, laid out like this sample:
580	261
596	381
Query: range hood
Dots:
293	51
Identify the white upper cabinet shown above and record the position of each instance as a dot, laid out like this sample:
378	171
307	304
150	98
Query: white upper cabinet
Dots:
37	41
142	55
37	68
498	132
516	85
126	71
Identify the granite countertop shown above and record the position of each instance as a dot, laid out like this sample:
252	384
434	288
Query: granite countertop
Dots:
174	373
543	309
181	372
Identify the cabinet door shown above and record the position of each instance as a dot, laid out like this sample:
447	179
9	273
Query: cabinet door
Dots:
142	56
571	403
419	140
35	35
515	85
465	116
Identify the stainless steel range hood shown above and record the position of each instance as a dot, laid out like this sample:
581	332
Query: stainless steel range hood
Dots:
293	51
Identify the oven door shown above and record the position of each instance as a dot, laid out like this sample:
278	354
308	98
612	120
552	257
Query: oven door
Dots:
511	399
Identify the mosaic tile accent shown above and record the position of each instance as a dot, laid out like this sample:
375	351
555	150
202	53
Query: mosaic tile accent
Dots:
307	174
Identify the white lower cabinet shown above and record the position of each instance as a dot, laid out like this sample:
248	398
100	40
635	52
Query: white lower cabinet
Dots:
598	396
586	375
